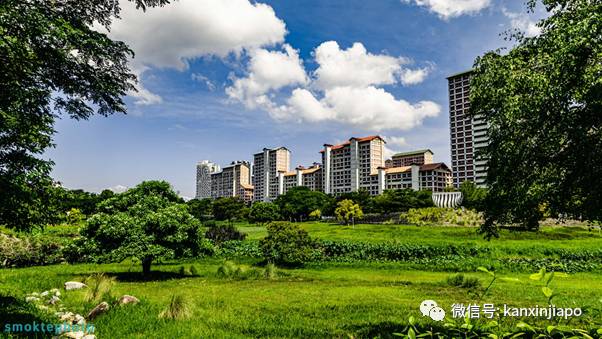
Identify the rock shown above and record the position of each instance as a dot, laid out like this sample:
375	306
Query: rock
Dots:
54	300
98	310
128	299
31	299
73	335
43	294
56	292
79	320
74	285
66	317
89	336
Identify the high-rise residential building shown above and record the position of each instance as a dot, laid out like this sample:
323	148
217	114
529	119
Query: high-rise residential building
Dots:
204	169
266	166
233	180
310	177
419	157
353	165
433	177
468	135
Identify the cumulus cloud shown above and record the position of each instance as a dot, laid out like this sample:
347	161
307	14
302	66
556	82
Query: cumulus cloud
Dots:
170	36
522	22
118	188
452	8
203	79
393	145
267	71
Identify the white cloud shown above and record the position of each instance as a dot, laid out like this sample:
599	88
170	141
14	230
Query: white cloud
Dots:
452	8
414	76
393	144
354	66
267	71
203	79
523	23
170	36
118	189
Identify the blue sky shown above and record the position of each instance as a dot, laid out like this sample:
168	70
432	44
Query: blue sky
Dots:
220	80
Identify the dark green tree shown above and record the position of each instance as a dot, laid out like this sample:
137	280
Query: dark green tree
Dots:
200	208
287	244
543	102
148	222
298	202
229	209
473	196
262	212
401	200
52	62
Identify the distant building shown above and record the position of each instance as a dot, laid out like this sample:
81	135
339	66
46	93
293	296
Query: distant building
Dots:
233	180
434	177
468	135
308	177
419	157
266	166
204	169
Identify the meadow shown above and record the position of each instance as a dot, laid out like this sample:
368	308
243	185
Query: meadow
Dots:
340	299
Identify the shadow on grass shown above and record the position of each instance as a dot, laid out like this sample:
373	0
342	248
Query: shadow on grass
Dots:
139	277
14	311
377	330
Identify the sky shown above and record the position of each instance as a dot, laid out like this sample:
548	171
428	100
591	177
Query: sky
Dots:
222	79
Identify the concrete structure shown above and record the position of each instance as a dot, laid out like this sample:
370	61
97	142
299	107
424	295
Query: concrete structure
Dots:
419	157
447	199
204	169
266	166
308	177
433	177
233	180
467	134
353	165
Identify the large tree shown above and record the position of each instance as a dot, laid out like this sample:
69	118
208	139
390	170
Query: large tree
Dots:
52	62
298	202
543	102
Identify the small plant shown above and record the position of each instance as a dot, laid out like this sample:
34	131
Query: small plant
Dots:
459	280
223	233
184	271
194	271
546	279
178	308
226	270
270	272
99	287
287	244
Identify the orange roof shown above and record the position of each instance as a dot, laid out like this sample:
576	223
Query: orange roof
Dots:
346	143
425	167
402	169
310	170
247	186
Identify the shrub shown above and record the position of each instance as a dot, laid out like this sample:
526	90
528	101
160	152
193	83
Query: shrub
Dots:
459	280
348	211
315	215
184	271
194	271
223	233
177	309
262	212
230	270
287	244
99	286
29	250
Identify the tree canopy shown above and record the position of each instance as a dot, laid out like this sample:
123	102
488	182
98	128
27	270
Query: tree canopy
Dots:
543	103
52	62
298	202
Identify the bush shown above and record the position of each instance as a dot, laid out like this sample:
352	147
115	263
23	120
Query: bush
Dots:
287	244
223	233
459	280
29	250
262	212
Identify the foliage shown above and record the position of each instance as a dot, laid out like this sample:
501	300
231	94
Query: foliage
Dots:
200	209
287	244
230	270
29	250
147	222
229	209
178	308
459	280
546	278
315	215
99	286
53	62
348	211
75	216
473	197
438	216
361	197
542	101
298	202
401	200
263	212
223	233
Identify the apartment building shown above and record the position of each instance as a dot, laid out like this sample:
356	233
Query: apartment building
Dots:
204	169
233	180
419	157
467	135
434	177
353	165
310	177
266	166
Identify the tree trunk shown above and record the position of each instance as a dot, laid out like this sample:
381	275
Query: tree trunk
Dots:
146	265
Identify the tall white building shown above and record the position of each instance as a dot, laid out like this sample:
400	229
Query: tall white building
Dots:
266	166
204	169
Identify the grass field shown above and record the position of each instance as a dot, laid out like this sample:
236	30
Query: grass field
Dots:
359	299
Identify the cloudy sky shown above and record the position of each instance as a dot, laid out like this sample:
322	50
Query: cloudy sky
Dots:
222	79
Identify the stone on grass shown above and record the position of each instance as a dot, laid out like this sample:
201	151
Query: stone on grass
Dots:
54	300
43	294
89	336
31	299
74	285
128	299
98	310
73	335
79	320
66	317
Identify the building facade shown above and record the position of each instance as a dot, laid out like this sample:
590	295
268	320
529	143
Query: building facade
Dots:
420	157
308	177
233	180
204	169
266	166
467	135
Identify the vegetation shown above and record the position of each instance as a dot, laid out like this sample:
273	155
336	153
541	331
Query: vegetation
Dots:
229	209
542	101
299	202
347	211
222	233
287	244
200	209
147	222
263	212
400	201
473	196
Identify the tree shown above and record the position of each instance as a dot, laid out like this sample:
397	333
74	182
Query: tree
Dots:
200	208
402	200
361	197
52	62
147	222
287	244
230	209
543	103
262	212
348	211
298	202
473	196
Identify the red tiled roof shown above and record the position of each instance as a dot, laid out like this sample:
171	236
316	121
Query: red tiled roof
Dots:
346	143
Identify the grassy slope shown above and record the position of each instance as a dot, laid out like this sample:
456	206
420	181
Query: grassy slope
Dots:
327	300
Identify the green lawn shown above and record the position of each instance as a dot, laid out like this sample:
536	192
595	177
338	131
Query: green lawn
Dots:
338	300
